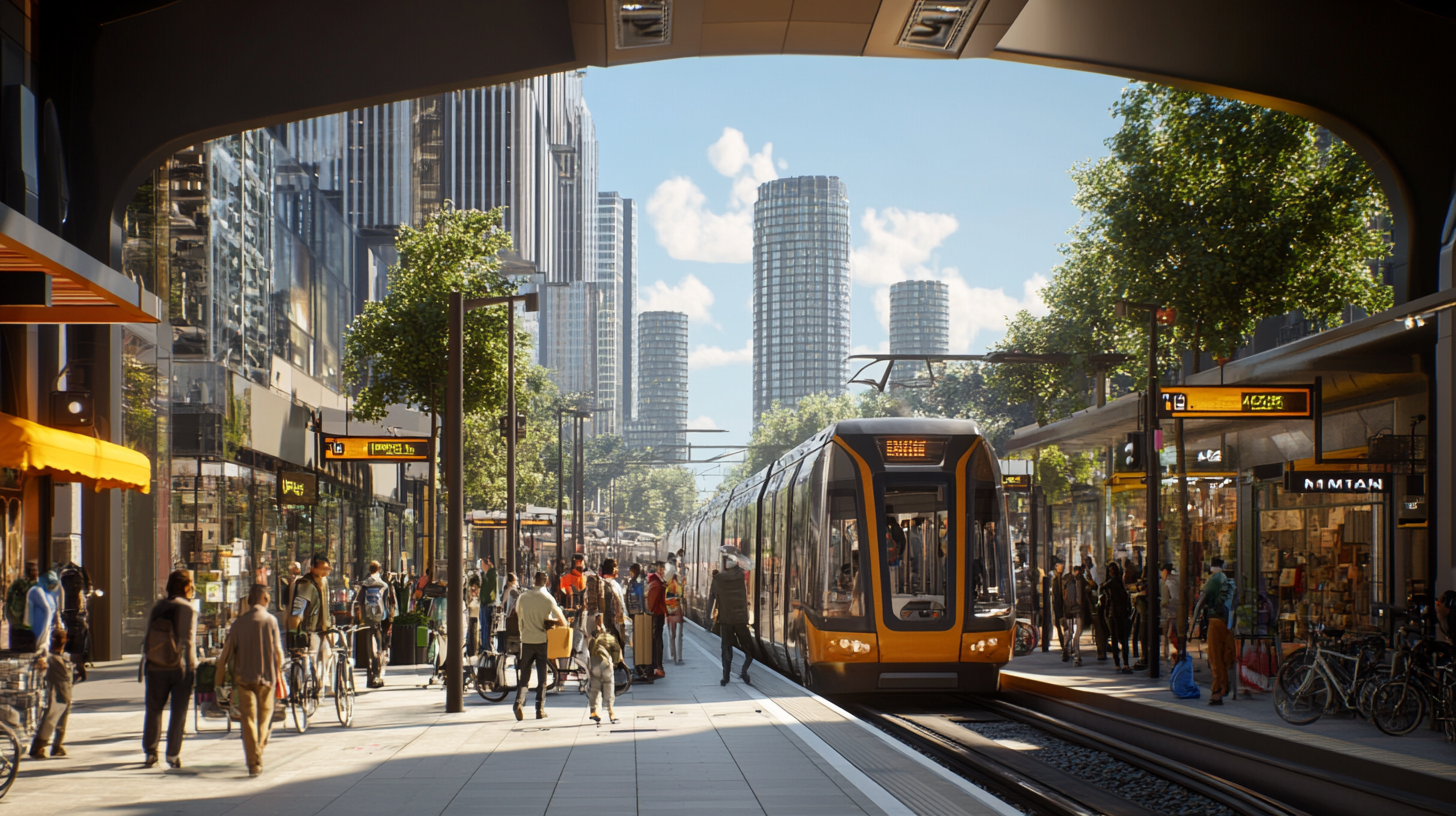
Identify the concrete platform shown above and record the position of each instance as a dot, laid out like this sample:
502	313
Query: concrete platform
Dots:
684	745
1419	761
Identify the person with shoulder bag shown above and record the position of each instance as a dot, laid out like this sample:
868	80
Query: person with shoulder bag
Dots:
168	666
536	612
308	619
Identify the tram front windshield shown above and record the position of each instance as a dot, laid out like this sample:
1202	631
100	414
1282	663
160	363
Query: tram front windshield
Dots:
919	554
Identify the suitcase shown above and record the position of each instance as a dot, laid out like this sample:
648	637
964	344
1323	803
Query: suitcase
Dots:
642	640
558	642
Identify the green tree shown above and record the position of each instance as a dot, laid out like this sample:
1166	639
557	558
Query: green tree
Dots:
782	427
394	351
656	499
485	449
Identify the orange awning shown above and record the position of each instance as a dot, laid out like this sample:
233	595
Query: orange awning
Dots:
37	450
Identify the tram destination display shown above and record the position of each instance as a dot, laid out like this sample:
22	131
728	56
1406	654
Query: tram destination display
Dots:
1235	402
299	489
917	450
376	449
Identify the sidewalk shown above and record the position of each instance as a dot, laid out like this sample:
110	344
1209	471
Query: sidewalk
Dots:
1423	750
684	744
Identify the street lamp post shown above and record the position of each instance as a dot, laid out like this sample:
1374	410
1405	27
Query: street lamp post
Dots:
1154	470
455	472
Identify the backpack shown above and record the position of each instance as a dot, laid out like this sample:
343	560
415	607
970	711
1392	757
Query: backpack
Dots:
15	603
594	589
374	609
163	650
1180	680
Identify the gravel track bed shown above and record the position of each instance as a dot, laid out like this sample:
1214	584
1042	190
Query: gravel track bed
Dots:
1106	772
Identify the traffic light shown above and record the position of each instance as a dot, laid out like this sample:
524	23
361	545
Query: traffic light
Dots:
1130	456
520	426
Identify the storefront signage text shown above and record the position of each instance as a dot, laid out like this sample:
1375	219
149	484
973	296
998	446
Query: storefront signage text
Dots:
297	488
1323	481
1015	481
1236	402
376	449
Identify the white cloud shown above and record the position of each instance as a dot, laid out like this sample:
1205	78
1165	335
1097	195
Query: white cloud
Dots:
713	356
691	297
688	230
901	246
703	423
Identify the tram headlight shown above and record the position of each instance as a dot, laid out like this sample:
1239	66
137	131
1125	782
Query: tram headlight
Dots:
997	612
853	645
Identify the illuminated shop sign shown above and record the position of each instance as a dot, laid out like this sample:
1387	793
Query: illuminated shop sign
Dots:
1015	481
297	488
1322	481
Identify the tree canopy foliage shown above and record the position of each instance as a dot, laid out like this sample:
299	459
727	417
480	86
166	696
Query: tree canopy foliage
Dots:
395	350
1228	212
485	449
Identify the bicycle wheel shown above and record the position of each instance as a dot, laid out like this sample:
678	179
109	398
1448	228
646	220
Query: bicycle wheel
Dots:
622	678
297	689
344	692
1306	702
9	757
1291	671
491	689
1399	708
1369	684
1448	711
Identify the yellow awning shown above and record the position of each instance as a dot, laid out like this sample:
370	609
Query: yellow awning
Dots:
35	449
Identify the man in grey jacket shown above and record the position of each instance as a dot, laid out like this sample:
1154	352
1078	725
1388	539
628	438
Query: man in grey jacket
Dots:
728	600
255	650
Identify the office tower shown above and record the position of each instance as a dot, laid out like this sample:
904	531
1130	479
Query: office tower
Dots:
616	286
662	381
800	289
919	323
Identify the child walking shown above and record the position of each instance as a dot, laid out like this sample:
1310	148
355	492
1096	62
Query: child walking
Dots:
606	653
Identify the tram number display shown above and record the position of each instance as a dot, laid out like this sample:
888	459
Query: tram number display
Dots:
297	489
376	449
1235	402
912	449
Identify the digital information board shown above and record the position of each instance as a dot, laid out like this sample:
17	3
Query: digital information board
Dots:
376	449
297	488
500	524
1015	481
1236	402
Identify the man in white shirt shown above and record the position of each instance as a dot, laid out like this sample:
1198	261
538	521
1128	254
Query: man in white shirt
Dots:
533	609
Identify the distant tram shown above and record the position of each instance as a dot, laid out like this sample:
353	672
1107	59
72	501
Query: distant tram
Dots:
879	558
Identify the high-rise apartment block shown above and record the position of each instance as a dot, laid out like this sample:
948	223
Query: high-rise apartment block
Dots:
919	323
662	402
800	289
616	284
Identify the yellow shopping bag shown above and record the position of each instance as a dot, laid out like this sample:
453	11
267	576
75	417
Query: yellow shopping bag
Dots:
558	642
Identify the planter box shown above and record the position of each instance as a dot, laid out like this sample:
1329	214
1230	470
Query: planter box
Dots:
402	648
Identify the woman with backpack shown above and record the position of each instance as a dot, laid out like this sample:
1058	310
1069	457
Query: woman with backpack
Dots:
169	663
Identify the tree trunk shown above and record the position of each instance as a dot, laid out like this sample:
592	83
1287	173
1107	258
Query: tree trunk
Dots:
1185	532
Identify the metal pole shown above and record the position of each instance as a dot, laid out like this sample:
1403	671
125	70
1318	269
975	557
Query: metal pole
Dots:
1154	547
454	484
513	529
578	489
560	488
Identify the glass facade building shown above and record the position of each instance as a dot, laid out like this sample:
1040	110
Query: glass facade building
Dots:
662	405
616	277
919	323
800	290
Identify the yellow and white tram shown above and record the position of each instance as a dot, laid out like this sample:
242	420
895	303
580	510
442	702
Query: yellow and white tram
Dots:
879	558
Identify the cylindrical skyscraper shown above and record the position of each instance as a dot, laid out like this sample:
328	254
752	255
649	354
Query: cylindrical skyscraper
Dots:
800	289
919	323
662	384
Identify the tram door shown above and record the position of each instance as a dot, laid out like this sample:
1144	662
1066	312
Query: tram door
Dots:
774	545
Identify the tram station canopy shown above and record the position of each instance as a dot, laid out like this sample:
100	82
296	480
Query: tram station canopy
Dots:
37	450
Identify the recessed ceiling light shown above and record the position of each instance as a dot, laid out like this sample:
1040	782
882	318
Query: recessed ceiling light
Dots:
644	23
938	25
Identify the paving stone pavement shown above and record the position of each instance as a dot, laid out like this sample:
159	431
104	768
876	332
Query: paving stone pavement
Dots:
684	744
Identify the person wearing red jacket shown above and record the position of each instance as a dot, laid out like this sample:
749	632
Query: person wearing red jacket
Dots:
657	608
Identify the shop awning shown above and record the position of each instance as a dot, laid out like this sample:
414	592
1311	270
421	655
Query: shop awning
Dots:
35	449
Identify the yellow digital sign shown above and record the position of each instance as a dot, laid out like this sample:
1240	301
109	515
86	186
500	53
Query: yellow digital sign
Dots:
297	488
905	449
1016	481
376	449
912	449
1236	402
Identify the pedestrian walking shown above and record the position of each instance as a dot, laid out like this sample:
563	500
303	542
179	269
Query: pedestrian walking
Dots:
1074	600
168	665
535	611
472	626
509	594
42	608
1172	634
636	597
1118	606
1059	606
378	605
605	653
59	677
657	608
1214	602
728	608
254	648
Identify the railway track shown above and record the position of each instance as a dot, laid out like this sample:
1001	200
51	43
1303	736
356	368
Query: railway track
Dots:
1003	760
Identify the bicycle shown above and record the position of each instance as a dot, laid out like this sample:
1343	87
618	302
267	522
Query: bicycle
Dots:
298	677
1305	689
342	643
1401	702
495	683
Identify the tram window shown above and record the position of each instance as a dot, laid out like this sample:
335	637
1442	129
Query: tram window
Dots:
918	558
843	590
991	581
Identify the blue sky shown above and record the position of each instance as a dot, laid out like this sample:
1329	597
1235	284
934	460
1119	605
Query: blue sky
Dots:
955	170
